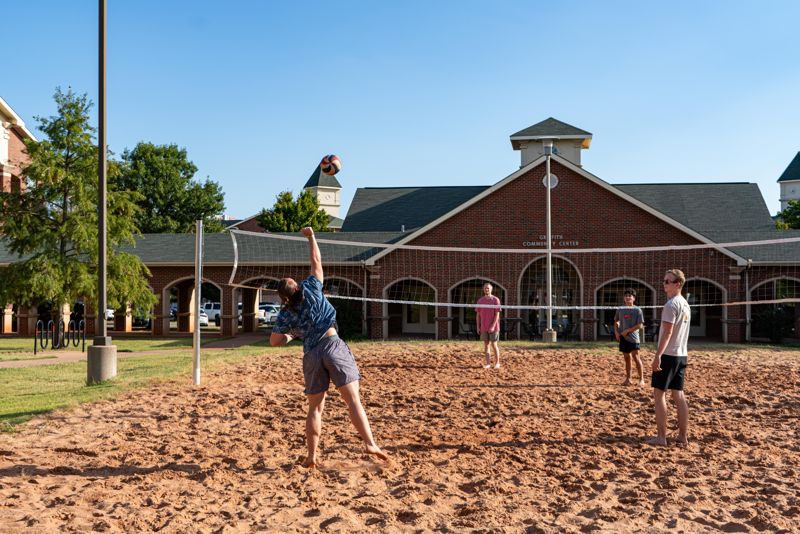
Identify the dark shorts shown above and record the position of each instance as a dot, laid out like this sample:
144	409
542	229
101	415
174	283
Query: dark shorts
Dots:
627	346
330	359
671	375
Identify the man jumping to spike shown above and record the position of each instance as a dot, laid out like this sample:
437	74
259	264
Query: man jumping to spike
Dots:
306	313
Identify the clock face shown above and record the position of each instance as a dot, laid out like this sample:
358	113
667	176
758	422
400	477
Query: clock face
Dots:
326	197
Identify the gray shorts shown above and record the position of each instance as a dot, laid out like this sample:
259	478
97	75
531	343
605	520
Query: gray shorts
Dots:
330	359
490	336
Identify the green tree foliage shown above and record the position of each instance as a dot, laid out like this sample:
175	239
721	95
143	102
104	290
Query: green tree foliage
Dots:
53	226
790	217
171	200
290	215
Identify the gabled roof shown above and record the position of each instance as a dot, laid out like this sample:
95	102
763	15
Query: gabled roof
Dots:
550	128
792	172
320	179
589	176
391	209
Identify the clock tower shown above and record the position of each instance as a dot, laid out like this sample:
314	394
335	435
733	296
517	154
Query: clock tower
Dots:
326	189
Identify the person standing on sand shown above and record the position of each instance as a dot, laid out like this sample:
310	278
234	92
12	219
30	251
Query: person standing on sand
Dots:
306	313
669	363
627	322
488	324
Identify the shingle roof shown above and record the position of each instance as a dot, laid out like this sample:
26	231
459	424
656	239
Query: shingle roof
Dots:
719	208
178	249
320	179
722	212
551	126
388	209
335	222
792	172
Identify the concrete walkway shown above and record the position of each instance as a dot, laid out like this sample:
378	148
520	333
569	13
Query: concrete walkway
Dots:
53	357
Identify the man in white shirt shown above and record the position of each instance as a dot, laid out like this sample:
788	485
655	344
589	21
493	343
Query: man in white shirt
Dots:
669	363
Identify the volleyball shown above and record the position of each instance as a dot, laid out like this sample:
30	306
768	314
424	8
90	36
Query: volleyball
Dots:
331	164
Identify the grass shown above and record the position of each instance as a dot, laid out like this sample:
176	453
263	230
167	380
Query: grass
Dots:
22	348
29	391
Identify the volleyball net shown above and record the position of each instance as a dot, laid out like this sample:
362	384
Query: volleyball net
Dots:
752	281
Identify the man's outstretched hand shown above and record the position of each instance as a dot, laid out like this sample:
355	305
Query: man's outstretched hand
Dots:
308	231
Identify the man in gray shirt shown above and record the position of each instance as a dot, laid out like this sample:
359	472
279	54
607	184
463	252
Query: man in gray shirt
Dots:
627	322
669	363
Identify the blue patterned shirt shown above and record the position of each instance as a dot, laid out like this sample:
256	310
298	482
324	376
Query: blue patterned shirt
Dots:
313	319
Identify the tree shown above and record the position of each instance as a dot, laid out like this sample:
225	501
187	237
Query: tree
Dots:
288	215
171	200
790	217
53	226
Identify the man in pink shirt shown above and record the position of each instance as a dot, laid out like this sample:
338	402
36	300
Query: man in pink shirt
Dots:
488	322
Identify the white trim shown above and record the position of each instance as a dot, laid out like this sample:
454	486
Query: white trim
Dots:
579	170
16	120
637	280
451	334
580	306
334	277
385	306
723	304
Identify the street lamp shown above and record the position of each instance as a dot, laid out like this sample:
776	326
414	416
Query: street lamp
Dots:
102	355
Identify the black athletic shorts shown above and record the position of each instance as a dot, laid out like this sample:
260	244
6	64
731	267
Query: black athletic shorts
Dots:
626	346
671	375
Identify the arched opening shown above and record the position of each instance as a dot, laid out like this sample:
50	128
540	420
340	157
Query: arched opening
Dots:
610	294
778	321
566	286
705	299
468	292
182	305
349	312
410	320
257	305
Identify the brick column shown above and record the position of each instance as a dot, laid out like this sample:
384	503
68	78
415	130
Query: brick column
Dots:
229	312
249	310
123	319
6	319
187	306
26	320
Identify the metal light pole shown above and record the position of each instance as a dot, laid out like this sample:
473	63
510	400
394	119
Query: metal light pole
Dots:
198	285
549	334
102	355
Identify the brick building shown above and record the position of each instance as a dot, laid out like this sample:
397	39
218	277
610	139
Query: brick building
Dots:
587	213
13	135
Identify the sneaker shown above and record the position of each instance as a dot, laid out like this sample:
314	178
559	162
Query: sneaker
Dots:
497	365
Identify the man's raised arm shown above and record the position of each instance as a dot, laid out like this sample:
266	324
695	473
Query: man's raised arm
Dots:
315	256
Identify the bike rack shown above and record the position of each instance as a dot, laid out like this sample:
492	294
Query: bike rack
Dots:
59	336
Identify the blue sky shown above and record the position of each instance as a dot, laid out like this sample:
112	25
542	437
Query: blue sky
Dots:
424	93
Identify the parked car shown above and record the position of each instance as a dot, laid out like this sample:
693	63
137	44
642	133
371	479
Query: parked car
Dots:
203	318
269	312
212	309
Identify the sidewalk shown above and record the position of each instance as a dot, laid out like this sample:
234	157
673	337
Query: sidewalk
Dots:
52	357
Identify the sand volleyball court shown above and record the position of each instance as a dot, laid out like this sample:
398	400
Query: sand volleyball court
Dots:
548	443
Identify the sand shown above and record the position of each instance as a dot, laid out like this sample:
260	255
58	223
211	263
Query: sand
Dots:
551	442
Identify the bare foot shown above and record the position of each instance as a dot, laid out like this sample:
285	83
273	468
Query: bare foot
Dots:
657	441
627	382
641	381
375	451
683	441
310	463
